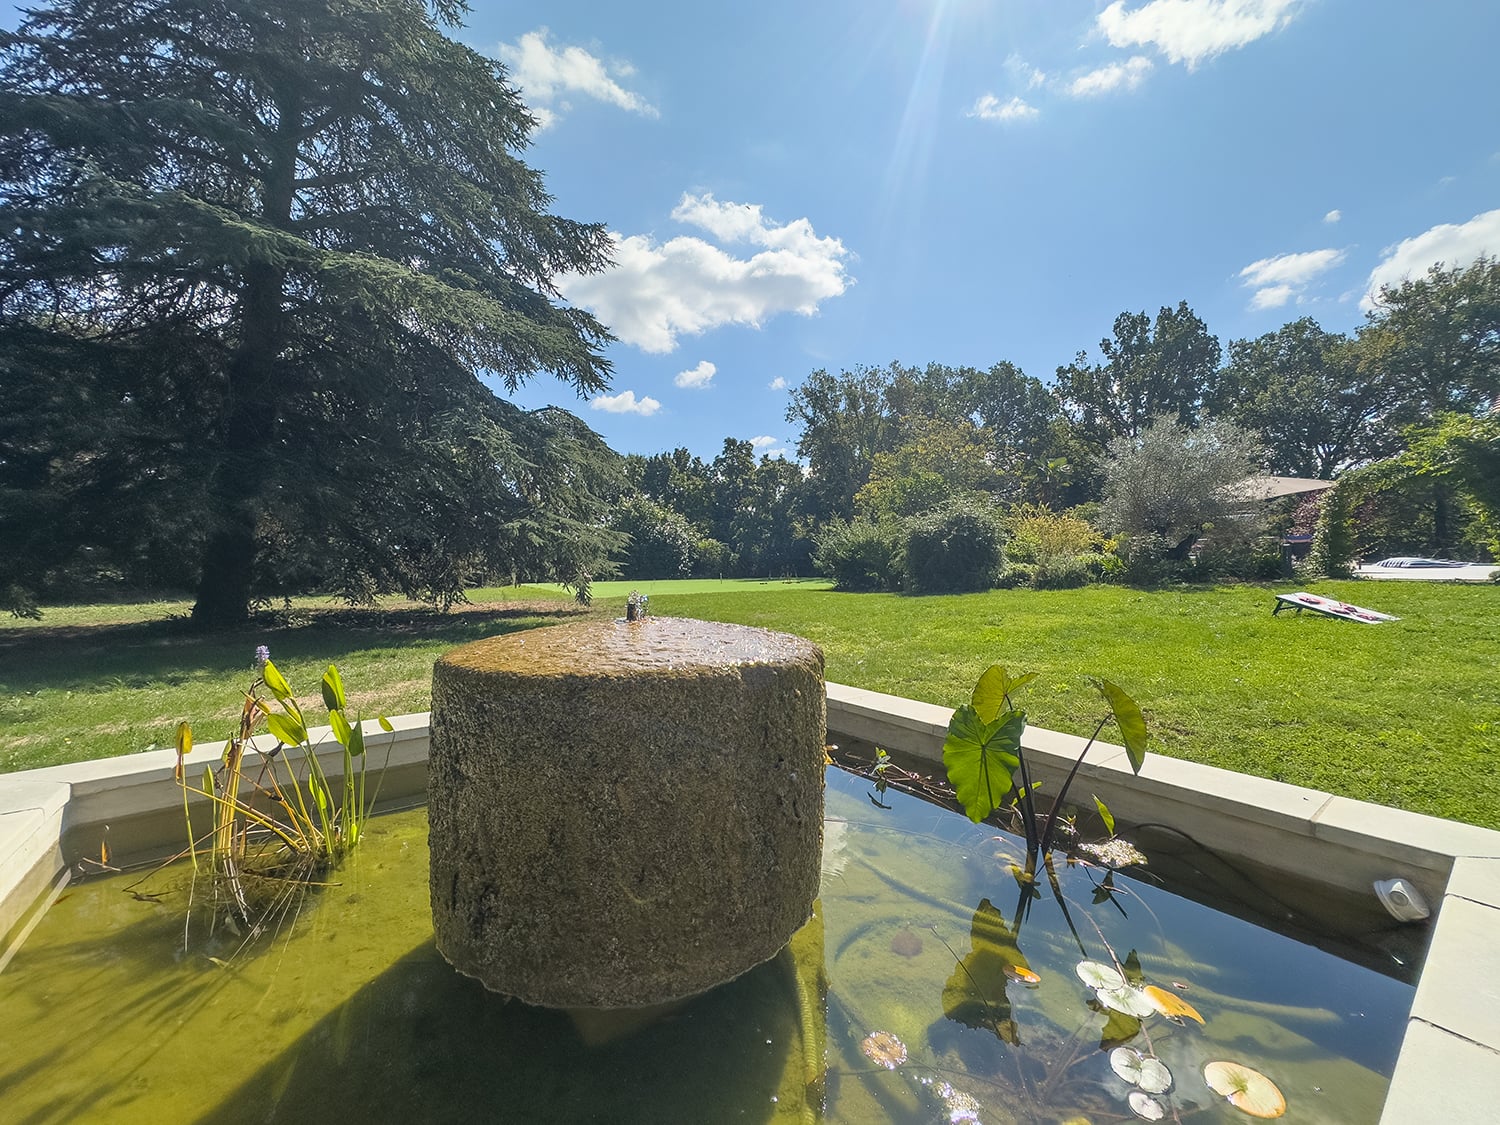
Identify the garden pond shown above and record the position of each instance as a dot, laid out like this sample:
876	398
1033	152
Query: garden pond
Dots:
928	987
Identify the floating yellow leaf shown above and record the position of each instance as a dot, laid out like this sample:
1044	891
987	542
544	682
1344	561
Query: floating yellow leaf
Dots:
884	1049
1248	1090
1171	1005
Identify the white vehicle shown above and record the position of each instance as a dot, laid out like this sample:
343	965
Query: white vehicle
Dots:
1431	570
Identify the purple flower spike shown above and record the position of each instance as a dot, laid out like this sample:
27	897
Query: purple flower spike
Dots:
262	656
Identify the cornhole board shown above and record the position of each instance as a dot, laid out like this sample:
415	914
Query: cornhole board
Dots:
1329	606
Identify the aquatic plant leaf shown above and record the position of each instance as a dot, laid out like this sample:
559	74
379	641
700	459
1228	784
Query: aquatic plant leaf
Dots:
1171	1005
1146	1107
287	728
975	994
184	747
1118	1028
989	698
1134	974
1105	815
385	724
1131	722
333	689
1126	1062
1127	1001
1096	974
981	759
320	796
340	727
276	682
1248	1090
356	741
1146	1071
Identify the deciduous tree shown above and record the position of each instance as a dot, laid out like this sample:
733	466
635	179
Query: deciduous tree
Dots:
1147	370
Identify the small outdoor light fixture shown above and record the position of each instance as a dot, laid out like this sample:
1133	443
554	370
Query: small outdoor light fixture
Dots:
635	606
1401	900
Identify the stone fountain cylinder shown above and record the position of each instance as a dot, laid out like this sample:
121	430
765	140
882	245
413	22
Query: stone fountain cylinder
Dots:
624	814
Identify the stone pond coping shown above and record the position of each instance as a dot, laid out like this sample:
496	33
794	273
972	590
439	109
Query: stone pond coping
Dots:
1449	1066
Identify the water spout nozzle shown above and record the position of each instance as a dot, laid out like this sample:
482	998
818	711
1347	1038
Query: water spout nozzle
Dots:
1401	900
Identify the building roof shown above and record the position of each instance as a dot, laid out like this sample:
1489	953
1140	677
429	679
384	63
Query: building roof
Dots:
1273	488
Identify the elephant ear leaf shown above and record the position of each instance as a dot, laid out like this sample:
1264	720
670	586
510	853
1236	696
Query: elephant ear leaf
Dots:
1131	722
992	692
981	759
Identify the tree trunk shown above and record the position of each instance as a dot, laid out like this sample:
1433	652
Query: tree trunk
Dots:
247	435
223	598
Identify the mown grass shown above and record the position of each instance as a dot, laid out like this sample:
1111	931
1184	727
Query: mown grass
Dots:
608	591
95	681
1405	714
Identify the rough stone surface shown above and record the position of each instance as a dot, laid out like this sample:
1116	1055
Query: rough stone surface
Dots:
624	814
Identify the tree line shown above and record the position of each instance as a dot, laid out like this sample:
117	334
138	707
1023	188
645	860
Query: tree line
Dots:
1163	412
262	263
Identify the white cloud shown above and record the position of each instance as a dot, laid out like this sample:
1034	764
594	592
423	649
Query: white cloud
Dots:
1277	280
626	403
696	378
991	108
777	384
1190	31
656	292
1125	75
763	441
1333	216
1031	76
1272	296
548	75
1454	244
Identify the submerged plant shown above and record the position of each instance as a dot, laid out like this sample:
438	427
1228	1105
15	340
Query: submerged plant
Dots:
986	760
281	823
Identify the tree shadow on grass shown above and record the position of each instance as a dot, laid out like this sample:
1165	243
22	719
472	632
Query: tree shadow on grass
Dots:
168	650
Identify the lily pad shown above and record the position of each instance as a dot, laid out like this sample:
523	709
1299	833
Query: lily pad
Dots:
1126	1000
1096	974
1143	1105
1248	1090
1146	1071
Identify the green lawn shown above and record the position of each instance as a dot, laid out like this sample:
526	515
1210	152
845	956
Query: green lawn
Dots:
95	681
606	591
1405	714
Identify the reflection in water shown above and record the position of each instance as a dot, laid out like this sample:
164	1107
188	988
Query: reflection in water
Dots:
904	1001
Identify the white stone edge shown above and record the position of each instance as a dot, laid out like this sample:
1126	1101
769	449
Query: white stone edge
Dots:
1319	835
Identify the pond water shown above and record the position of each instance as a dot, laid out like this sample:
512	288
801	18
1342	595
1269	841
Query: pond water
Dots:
924	990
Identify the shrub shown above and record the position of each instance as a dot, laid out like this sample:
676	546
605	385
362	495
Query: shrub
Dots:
1038	534
859	556
712	559
1104	567
1062	572
1147	562
1015	575
1333	540
955	547
1249	561
662	542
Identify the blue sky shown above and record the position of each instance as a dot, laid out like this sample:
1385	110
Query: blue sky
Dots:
799	185
796	185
